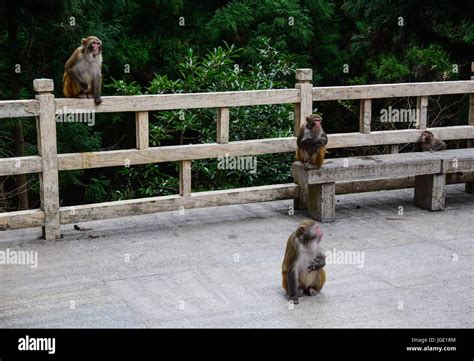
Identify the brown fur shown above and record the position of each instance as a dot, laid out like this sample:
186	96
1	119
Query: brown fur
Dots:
311	142
429	143
84	66
315	279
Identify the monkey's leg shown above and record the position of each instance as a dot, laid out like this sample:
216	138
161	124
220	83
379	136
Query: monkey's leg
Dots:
320	280
303	157
80	83
298	155
71	88
319	277
312	291
320	157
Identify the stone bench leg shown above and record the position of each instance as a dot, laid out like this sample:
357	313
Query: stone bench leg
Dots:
429	191
470	188
322	201
300	178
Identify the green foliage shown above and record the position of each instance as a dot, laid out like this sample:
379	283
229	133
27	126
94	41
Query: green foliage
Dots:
180	46
388	68
286	21
97	190
430	60
409	40
121	87
140	46
218	71
416	64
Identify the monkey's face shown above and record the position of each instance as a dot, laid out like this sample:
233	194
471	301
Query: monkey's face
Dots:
313	122
308	231
313	125
96	47
317	125
426	137
93	45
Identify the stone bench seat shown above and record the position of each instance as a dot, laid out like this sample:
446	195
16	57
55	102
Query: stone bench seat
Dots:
318	186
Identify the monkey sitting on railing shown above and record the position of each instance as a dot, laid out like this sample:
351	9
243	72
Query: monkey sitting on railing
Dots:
83	70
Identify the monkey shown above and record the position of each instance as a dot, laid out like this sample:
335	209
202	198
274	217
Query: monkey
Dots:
311	142
430	143
302	268
83	70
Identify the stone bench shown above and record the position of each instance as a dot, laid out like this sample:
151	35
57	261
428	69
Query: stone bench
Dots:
318	186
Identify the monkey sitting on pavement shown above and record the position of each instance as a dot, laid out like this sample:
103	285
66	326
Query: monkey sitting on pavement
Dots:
302	268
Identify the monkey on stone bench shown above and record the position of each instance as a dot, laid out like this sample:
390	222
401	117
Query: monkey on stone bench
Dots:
429	143
311	142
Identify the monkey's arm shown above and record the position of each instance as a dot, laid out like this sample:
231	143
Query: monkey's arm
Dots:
292	281
289	254
79	79
322	139
285	264
96	83
76	70
72	59
289	273
76	73
315	140
300	137
318	262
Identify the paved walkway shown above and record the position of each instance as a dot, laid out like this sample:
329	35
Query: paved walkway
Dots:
220	267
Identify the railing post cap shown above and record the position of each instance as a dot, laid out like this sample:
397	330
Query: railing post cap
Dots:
305	74
43	85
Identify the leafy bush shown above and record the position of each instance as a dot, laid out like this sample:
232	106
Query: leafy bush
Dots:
218	70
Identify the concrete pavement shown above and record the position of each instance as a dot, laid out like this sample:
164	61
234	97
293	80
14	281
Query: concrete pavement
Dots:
221	267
